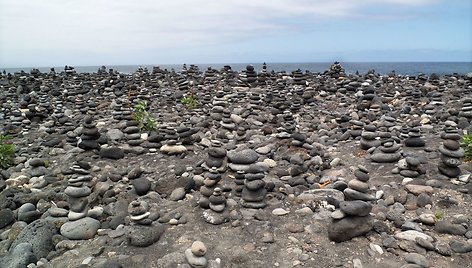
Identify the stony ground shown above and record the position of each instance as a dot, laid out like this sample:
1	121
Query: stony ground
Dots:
251	237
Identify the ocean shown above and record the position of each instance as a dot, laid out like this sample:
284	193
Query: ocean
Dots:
401	68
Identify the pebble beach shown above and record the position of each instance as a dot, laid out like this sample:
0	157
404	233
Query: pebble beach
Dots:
220	168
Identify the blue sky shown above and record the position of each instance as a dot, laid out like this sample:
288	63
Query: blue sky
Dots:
36	33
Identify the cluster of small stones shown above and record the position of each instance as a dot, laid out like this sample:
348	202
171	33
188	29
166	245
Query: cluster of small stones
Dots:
255	141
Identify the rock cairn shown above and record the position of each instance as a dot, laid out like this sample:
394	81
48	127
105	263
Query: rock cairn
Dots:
388	152
254	192
450	151
352	217
80	226
90	135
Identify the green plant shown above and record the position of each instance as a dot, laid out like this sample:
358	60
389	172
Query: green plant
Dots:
439	215
142	116
7	151
467	145
191	101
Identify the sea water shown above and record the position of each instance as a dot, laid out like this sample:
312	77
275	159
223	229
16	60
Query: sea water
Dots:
401	68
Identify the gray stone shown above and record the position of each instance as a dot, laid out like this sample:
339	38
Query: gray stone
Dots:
349	227
352	194
385	158
443	248
39	234
460	247
411	235
112	153
20	257
245	157
355	208
456	154
194	261
177	194
6	217
417	259
141	186
424	243
28	213
81	229
358	185
447	227
143	236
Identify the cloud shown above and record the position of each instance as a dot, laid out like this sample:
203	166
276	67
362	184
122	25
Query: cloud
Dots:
106	26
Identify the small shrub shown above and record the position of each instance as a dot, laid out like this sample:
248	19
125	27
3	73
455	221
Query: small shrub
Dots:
7	151
142	116
467	145
191	101
439	215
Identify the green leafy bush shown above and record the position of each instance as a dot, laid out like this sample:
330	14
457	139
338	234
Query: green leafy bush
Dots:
467	145
191	101
142	116
7	151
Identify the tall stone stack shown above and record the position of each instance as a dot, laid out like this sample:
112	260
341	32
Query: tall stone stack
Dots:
352	218
216	158
254	192
77	192
90	135
251	75
451	153
369	137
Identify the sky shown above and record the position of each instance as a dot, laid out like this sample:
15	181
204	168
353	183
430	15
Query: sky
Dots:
41	33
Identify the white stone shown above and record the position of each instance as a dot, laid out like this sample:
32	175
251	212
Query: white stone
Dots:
411	235
280	212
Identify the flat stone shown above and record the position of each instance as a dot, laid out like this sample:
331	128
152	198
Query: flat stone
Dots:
81	229
411	235
385	158
352	194
417	259
358	185
355	208
244	157
280	212
419	189
447	227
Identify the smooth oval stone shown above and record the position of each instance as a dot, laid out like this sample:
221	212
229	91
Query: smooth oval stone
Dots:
356	195
81	229
385	158
358	185
77	191
244	157
355	208
452	145
362	176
